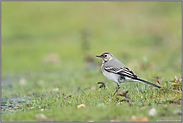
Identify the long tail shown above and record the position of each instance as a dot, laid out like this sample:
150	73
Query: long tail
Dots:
140	80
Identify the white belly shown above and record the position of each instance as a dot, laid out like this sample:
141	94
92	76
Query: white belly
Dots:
111	76
115	78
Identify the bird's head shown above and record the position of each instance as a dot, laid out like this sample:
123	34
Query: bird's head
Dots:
105	56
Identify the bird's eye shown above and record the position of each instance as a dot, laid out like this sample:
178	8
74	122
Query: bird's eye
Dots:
105	55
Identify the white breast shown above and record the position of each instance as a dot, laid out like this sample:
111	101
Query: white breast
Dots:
116	78
111	76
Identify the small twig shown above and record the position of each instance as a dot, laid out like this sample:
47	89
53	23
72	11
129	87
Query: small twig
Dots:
126	97
103	84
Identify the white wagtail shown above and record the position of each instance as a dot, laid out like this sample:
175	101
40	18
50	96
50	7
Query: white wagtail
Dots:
117	72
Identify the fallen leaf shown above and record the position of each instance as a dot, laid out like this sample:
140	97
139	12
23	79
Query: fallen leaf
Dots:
156	80
137	119
144	120
176	80
159	82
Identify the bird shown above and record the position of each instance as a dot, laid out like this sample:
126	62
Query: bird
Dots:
117	72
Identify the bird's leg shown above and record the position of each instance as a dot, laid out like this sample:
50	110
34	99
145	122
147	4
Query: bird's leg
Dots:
117	88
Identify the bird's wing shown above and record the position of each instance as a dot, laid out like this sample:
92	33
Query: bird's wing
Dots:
121	71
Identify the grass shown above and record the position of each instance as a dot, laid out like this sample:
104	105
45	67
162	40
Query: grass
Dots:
49	65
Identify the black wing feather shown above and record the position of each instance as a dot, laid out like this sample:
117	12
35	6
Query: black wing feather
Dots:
121	71
128	73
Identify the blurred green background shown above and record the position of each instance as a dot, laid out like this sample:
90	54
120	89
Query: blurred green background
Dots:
55	43
31	30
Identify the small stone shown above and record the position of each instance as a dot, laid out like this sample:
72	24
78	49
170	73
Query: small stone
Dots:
152	112
40	116
81	105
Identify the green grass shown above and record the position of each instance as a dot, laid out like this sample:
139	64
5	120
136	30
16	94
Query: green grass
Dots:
145	36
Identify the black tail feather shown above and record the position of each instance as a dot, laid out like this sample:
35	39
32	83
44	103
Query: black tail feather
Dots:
140	80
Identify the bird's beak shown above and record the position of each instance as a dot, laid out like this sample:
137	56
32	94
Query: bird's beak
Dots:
98	55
